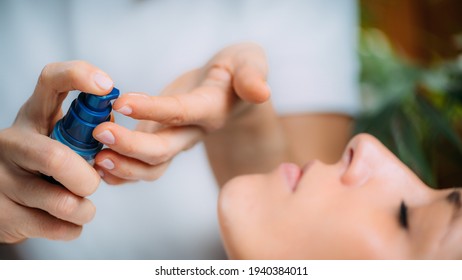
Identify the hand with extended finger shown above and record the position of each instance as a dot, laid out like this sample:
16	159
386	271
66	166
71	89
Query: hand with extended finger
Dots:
198	102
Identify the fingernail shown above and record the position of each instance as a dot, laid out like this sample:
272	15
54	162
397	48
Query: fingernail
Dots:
103	81
269	88
101	173
106	163
126	110
106	137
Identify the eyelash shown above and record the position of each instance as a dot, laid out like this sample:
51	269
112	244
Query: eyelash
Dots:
403	215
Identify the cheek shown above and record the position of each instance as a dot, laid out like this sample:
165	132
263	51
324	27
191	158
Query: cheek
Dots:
331	220
249	209
341	231
236	208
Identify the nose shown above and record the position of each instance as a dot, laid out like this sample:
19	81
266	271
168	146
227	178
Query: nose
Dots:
365	157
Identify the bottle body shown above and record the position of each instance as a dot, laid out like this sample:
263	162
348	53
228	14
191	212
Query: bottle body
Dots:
75	129
87	153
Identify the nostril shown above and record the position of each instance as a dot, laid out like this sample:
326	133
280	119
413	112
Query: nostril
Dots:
350	155
355	172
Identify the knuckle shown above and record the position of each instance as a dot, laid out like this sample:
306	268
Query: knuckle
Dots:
153	175
161	153
46	74
10	231
10	238
154	159
65	205
129	149
79	64
125	171
215	125
156	172
72	72
219	73
56	158
180	117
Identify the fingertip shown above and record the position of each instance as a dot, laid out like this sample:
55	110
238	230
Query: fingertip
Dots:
88	78
90	188
253	90
130	96
91	214
125	103
105	161
101	127
125	110
103	82
263	93
104	133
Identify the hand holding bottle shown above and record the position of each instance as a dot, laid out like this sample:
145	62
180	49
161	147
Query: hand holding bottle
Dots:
29	205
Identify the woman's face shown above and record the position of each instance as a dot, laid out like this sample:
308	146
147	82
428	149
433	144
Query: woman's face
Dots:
368	205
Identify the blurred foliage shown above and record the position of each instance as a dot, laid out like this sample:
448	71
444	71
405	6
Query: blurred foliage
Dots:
416	112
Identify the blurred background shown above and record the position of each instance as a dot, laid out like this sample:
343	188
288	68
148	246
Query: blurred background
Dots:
411	83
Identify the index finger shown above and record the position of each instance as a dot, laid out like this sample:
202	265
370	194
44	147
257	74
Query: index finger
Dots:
47	156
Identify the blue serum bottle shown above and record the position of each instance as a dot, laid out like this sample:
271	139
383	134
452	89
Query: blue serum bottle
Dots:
75	129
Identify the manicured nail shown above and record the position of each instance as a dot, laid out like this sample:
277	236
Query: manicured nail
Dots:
103	81
126	110
106	163
106	137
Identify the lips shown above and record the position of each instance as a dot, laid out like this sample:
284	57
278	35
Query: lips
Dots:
292	174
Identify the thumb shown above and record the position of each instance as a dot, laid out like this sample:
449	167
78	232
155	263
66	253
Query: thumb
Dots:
56	80
249	68
250	84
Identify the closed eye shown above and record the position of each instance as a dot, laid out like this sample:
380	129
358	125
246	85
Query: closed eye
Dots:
403	216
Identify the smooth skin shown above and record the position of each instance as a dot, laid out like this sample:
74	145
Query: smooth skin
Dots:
29	205
347	210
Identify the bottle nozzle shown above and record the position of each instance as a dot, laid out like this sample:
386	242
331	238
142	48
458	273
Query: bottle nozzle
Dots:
100	103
